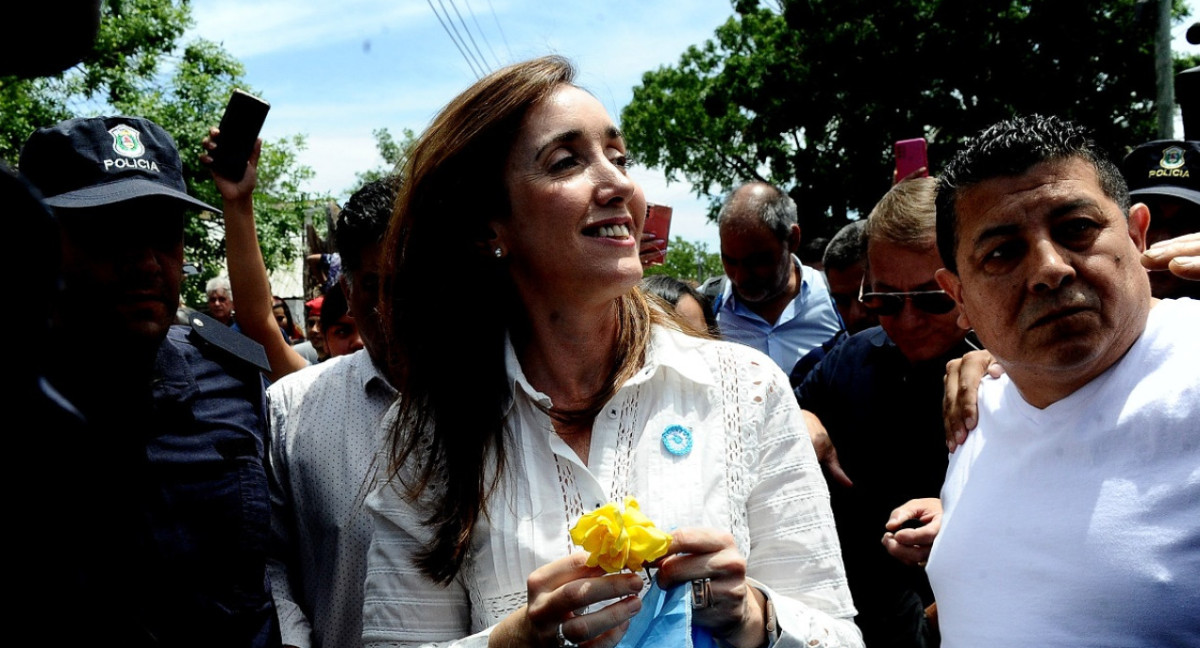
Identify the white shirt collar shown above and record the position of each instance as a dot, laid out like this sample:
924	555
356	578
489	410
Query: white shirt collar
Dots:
668	349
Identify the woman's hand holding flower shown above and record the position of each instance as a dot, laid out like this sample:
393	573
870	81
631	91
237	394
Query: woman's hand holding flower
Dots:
560	588
617	540
737	611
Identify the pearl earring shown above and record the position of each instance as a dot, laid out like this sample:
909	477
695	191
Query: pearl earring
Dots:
498	252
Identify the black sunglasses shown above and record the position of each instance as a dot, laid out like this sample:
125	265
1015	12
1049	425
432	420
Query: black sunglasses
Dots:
936	302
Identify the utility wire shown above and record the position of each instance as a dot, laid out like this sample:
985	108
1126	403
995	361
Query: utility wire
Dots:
460	38
455	41
482	59
482	34
500	29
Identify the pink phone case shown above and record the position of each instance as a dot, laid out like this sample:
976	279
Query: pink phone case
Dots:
658	223
910	156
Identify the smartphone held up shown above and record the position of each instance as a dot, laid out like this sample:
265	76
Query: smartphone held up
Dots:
911	157
658	224
240	125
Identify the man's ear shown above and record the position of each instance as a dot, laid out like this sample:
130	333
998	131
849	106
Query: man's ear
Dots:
953	287
347	285
793	240
1139	224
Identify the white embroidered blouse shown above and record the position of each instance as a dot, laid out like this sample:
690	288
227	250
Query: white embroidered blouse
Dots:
750	470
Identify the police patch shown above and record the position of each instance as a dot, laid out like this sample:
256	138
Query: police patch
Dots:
1172	158
127	141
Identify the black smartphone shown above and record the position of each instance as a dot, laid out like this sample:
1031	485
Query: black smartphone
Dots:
243	119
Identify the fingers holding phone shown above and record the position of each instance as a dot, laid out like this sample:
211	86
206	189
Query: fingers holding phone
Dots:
240	125
911	160
233	148
655	234
229	189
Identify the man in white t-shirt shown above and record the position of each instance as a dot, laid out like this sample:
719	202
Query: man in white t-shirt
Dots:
1072	513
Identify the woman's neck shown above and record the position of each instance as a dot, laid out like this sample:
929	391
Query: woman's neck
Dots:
568	354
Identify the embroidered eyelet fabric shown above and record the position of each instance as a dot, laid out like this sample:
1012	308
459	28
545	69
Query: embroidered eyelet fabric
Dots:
751	471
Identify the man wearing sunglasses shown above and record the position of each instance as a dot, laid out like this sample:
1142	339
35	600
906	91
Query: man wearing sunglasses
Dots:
1072	511
879	396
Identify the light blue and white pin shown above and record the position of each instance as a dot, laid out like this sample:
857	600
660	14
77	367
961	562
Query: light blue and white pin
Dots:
677	440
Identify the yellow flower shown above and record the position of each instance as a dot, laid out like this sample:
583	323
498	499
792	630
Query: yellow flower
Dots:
620	540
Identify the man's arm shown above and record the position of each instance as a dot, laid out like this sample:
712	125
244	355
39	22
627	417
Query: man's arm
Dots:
826	453
812	393
247	270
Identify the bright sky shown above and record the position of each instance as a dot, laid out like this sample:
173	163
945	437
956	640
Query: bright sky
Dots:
335	71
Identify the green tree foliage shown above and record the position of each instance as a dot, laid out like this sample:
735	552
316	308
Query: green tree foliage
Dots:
688	261
812	98
394	154
138	67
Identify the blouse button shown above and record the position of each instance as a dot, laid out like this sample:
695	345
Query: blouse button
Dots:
612	412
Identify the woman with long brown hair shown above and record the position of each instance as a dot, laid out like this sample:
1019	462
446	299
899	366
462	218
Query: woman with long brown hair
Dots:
517	220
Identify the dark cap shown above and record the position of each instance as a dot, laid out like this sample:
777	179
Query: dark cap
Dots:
96	161
1164	168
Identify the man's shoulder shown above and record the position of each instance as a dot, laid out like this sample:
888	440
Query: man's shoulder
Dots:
1166	350
1176	319
205	337
336	370
814	279
859	348
848	364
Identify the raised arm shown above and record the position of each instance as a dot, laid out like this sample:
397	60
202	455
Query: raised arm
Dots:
247	270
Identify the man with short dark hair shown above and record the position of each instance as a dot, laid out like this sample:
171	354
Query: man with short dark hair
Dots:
1072	512
326	427
845	264
175	441
771	302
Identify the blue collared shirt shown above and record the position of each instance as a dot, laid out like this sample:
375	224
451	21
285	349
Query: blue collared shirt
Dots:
806	323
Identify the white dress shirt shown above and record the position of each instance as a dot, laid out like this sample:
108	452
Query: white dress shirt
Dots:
751	470
326	429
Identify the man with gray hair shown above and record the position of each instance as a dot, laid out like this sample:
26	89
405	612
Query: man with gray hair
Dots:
220	300
771	302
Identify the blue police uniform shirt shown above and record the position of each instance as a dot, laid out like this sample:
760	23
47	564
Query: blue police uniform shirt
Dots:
177	505
807	322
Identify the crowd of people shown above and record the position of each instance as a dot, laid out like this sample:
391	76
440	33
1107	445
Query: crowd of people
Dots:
490	366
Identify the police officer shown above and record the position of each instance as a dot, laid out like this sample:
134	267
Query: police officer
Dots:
167	508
